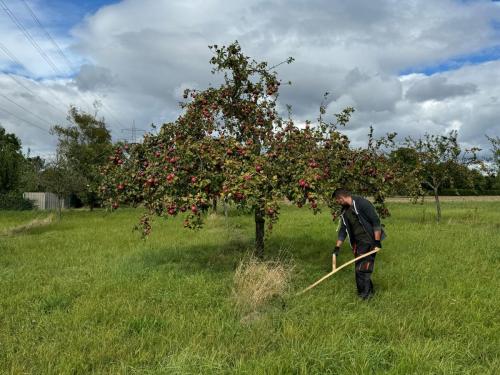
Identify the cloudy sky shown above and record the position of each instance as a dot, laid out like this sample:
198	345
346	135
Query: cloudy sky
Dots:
406	66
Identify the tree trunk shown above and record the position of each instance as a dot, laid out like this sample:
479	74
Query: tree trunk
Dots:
438	204
224	203
259	233
214	204
59	207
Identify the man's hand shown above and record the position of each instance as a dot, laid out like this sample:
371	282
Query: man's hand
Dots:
336	251
378	244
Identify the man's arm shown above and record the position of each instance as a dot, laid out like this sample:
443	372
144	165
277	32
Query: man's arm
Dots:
341	237
372	216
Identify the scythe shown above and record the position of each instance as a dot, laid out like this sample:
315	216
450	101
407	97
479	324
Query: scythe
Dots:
335	269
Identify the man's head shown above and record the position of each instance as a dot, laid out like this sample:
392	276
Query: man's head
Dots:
342	196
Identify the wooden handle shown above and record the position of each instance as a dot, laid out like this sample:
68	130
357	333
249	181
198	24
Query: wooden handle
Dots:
334	262
338	269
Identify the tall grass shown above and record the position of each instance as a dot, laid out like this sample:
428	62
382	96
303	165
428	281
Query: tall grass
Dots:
87	295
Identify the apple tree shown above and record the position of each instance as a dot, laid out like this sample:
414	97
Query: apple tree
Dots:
230	142
438	158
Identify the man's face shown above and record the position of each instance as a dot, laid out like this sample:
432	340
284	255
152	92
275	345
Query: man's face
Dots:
343	200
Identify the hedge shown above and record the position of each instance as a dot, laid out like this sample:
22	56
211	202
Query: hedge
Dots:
468	192
15	202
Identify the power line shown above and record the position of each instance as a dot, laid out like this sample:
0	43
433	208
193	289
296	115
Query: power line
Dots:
49	61
30	38
10	55
134	132
37	20
26	121
24	109
13	59
13	78
57	47
111	113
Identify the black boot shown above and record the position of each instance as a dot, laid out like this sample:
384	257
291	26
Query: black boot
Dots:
364	285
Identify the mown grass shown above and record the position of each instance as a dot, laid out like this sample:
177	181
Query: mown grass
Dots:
87	295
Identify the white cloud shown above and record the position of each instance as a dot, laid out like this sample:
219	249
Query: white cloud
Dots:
141	54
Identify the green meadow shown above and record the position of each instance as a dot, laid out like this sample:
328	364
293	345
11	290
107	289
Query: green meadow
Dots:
87	295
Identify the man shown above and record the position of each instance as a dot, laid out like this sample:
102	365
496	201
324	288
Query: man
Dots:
360	222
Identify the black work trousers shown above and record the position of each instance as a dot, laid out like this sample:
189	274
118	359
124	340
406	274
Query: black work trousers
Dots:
364	269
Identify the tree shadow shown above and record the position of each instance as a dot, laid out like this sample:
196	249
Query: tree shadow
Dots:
197	258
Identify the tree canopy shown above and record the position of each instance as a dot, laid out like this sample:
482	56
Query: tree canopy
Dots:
231	142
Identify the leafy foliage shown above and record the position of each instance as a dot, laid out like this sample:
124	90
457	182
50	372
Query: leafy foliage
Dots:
85	146
230	142
14	201
439	159
11	161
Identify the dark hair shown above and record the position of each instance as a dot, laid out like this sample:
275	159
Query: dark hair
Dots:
341	192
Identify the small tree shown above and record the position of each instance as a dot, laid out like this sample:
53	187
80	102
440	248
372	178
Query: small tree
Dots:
85	146
60	178
495	160
230	142
495	151
30	179
11	161
438	159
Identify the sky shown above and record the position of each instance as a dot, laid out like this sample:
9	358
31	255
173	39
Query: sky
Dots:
409	67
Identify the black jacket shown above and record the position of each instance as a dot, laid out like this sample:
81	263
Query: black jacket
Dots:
367	217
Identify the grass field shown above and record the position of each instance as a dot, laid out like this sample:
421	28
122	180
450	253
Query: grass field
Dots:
87	295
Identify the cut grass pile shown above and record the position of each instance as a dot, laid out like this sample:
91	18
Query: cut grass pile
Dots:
35	223
257	282
87	295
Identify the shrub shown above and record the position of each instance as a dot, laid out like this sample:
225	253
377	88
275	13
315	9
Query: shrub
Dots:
468	192
15	202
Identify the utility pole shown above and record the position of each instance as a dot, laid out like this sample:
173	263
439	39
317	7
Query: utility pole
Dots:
133	132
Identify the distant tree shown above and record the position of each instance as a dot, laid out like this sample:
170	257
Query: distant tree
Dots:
30	179
11	161
405	162
438	158
85	147
495	160
60	177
